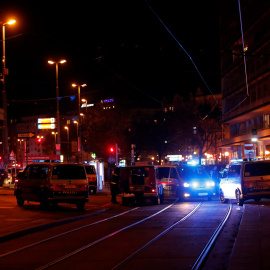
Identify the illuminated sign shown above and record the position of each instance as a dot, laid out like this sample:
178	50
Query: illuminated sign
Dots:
174	157
46	126
46	123
46	120
108	100
84	105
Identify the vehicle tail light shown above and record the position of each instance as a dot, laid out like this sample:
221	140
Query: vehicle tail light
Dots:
153	190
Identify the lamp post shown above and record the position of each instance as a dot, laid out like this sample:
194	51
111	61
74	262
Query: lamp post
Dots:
77	123
58	137
79	110
66	127
54	134
85	101
4	98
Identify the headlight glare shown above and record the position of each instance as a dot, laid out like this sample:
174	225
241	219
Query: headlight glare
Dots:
195	184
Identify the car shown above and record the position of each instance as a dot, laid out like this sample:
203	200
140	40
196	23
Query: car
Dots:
53	183
92	177
195	182
245	180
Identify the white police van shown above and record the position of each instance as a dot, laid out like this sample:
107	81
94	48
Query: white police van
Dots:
245	180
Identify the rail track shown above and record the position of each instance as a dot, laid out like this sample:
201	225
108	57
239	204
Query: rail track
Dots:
121	240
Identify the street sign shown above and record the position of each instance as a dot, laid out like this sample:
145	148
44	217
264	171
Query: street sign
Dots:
248	145
12	155
111	159
27	135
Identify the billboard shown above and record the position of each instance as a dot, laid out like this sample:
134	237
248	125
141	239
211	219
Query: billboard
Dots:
46	123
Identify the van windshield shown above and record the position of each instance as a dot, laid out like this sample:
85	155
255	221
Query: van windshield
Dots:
257	169
163	172
192	172
90	169
68	172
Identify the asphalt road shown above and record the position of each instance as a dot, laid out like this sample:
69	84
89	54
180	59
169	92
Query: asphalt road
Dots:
243	244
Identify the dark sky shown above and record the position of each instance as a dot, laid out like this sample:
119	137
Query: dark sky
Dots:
119	48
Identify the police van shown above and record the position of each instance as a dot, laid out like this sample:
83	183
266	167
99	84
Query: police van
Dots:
52	183
245	180
168	176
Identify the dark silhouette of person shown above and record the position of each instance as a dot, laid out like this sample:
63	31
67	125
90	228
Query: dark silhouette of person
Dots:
114	185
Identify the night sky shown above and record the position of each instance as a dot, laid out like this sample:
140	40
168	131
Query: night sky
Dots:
118	48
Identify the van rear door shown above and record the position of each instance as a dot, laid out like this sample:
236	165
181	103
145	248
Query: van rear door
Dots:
256	178
69	181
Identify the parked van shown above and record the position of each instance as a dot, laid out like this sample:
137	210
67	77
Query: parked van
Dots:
138	183
168	176
53	183
245	180
92	177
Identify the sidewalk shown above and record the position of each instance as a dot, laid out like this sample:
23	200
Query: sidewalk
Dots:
252	247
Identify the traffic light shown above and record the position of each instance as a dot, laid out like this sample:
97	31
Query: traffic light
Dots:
111	149
39	139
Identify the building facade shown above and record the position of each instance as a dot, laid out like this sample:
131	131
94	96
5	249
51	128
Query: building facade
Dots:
245	80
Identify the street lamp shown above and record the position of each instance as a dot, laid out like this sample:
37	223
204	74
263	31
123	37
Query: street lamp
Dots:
54	133
77	123
85	101
4	98
66	127
79	110
58	138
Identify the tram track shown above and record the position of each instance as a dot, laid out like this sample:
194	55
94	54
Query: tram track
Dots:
57	262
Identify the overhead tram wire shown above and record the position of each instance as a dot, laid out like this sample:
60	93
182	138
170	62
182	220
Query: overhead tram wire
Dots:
188	57
46	99
244	57
98	59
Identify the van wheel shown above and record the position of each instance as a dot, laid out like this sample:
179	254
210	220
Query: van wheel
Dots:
80	205
20	200
240	202
221	197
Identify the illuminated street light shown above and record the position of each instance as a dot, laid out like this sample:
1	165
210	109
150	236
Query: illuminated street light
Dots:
54	133
66	127
82	115
79	110
85	101
77	123
79	94
4	98
58	138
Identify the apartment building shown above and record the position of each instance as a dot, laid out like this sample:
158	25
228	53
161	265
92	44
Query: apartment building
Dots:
245	78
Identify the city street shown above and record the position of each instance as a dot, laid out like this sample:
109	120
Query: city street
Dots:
226	253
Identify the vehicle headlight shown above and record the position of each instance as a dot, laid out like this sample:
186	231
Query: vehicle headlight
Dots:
210	184
186	184
195	184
